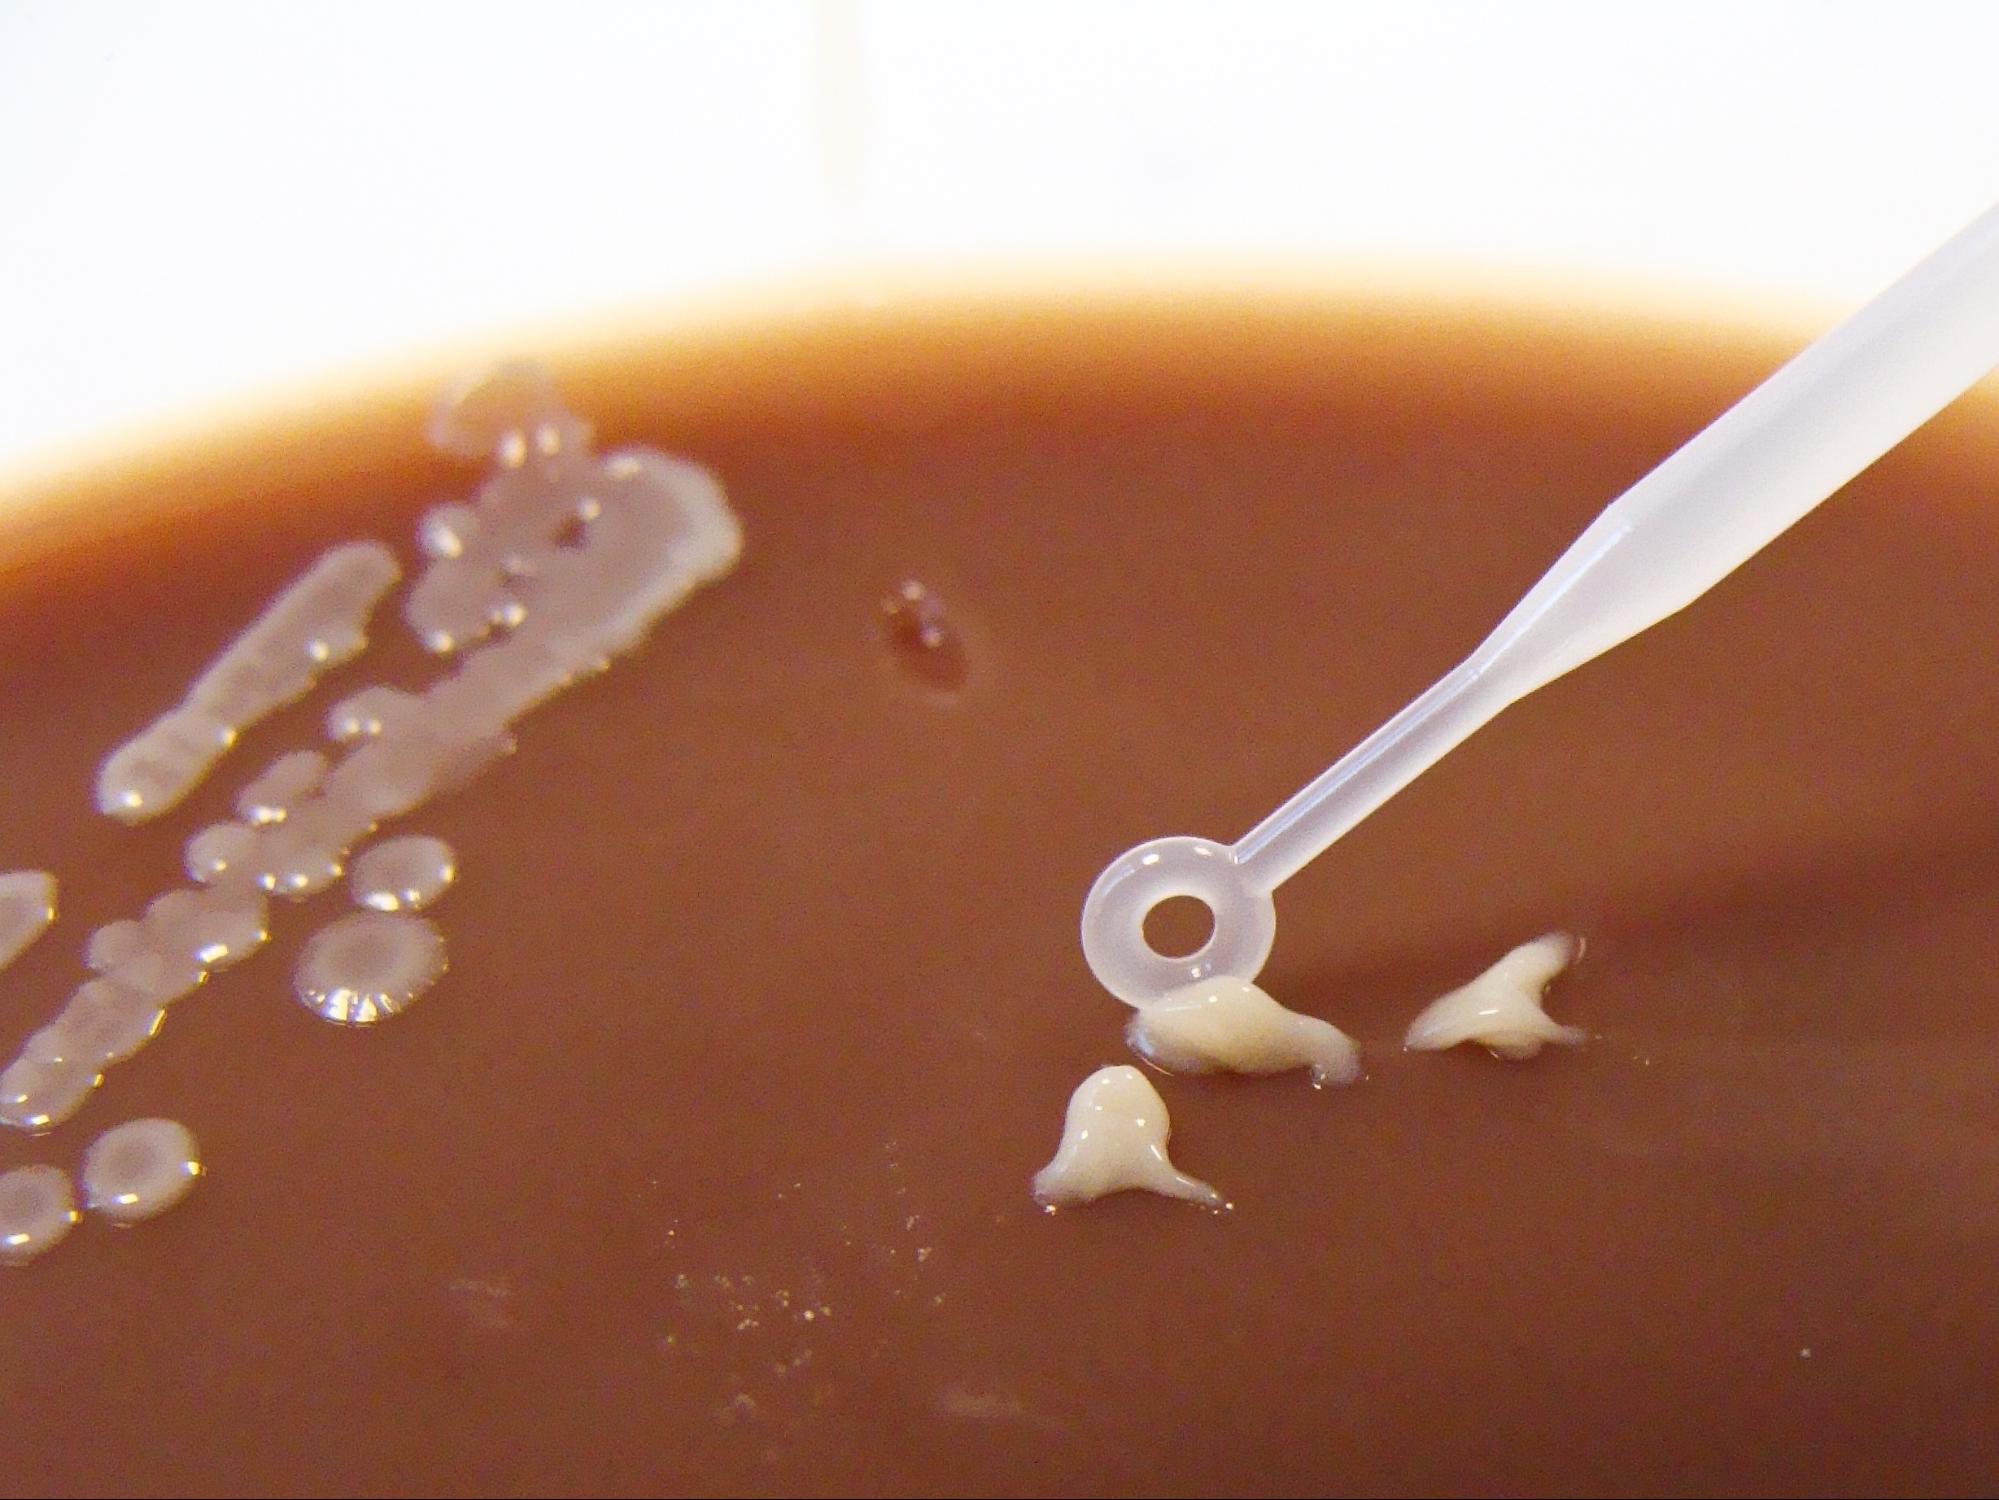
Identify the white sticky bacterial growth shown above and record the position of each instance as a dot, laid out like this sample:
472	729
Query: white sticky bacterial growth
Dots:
313	626
1230	1025
139	1169
358	969
1501	1009
404	874
27	907
1114	1138
37	1209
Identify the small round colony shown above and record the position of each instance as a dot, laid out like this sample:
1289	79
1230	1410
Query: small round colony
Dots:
404	874
358	969
36	1210
141	1168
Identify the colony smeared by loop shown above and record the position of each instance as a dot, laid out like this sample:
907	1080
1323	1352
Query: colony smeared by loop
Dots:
1114	1139
1501	1010
1231	1025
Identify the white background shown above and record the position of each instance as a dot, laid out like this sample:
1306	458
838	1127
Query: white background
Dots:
201	200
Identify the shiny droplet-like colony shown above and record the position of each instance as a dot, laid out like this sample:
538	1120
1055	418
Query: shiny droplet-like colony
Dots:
282	785
141	1168
404	874
130	1172
564	559
36	1210
360	968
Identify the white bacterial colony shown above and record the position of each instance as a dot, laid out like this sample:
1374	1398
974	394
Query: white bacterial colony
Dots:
563	560
1116	1131
104	1022
38	1093
403	874
313	626
139	1169
36	1210
360	968
1230	1025
27	907
369	713
1114	1138
1501	1009
130	1173
282	785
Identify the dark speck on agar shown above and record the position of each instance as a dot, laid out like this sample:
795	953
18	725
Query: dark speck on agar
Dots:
921	638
